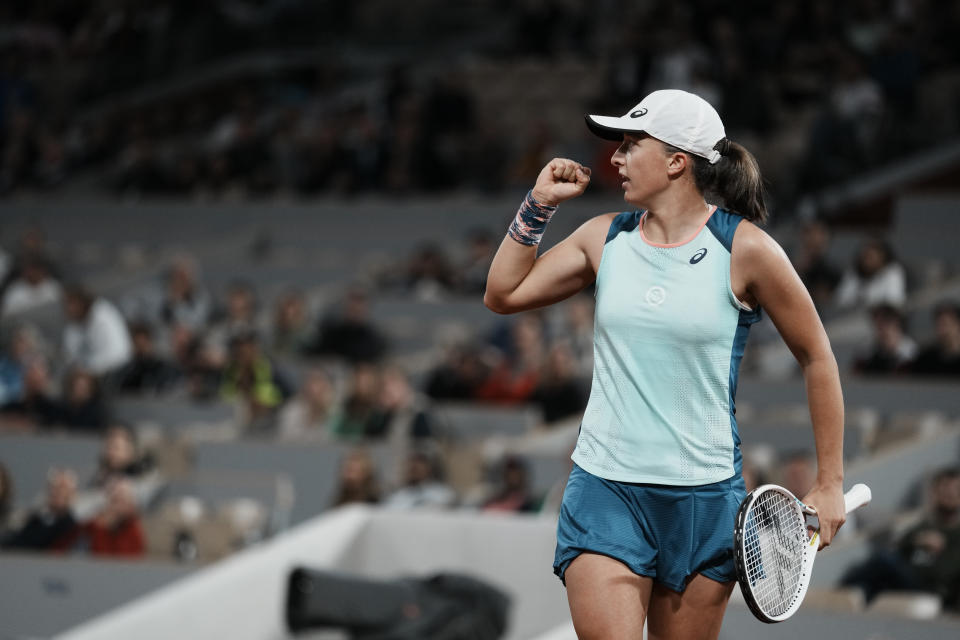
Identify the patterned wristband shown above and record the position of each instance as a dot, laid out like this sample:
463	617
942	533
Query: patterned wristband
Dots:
531	221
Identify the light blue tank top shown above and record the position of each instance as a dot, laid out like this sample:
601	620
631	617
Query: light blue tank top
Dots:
668	339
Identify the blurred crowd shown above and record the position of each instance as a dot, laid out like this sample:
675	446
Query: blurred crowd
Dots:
176	338
819	91
294	372
922	552
880	284
99	515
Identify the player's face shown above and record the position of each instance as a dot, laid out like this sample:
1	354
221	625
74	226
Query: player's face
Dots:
642	165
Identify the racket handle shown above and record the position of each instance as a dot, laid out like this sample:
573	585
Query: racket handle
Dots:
858	496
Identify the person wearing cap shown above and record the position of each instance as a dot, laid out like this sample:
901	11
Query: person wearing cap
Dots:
645	533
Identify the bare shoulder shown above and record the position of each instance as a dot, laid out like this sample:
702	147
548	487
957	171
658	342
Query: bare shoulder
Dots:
591	236
596	225
759	268
754	246
602	220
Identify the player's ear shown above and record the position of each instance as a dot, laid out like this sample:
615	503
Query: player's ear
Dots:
676	163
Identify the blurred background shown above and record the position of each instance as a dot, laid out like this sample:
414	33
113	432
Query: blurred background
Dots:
243	248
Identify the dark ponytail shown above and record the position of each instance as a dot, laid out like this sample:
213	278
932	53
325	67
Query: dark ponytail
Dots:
735	179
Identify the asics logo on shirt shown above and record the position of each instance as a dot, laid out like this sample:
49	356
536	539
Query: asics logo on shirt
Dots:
698	256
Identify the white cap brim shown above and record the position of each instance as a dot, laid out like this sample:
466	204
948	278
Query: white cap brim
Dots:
611	127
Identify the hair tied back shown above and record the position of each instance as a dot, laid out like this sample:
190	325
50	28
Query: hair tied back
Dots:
723	146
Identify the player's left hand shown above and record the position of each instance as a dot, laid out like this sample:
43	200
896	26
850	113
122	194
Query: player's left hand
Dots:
826	502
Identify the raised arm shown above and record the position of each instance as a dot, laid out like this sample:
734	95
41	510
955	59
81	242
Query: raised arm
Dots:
771	281
519	280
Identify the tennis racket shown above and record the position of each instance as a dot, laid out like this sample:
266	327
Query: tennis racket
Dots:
773	551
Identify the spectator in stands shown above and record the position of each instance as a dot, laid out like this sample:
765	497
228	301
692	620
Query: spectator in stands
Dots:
119	457
358	480
308	415
350	334
83	407
36	287
292	326
179	300
32	248
401	413
95	338
459	375
513	488
239	315
559	392
423	485
942	356
26	346
32	245
856	100
927	556
429	274
360	405
877	278
201	362
37	404
6	499
518	374
251	377
117	529
813	264
932	547
146	372
51	527
892	348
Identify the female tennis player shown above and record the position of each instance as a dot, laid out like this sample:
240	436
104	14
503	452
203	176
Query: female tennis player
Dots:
647	519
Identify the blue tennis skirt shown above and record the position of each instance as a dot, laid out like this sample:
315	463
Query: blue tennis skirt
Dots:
664	532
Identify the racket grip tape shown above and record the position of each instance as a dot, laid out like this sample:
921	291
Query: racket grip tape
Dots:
856	497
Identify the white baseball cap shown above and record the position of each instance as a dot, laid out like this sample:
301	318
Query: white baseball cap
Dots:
676	117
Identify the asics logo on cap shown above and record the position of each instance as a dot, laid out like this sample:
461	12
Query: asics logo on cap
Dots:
638	113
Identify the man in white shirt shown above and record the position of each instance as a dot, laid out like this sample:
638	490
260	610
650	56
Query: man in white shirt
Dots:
36	287
96	338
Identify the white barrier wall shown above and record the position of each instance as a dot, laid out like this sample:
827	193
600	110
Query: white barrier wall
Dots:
242	597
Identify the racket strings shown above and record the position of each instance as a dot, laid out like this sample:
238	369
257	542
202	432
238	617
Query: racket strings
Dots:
775	541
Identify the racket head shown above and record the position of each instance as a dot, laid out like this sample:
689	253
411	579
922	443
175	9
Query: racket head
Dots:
773	553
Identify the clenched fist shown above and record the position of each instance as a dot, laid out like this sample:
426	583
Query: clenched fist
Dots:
561	180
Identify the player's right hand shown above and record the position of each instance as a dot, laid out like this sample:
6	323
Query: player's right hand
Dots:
561	180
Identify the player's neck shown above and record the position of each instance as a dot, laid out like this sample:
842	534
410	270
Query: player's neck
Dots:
674	217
